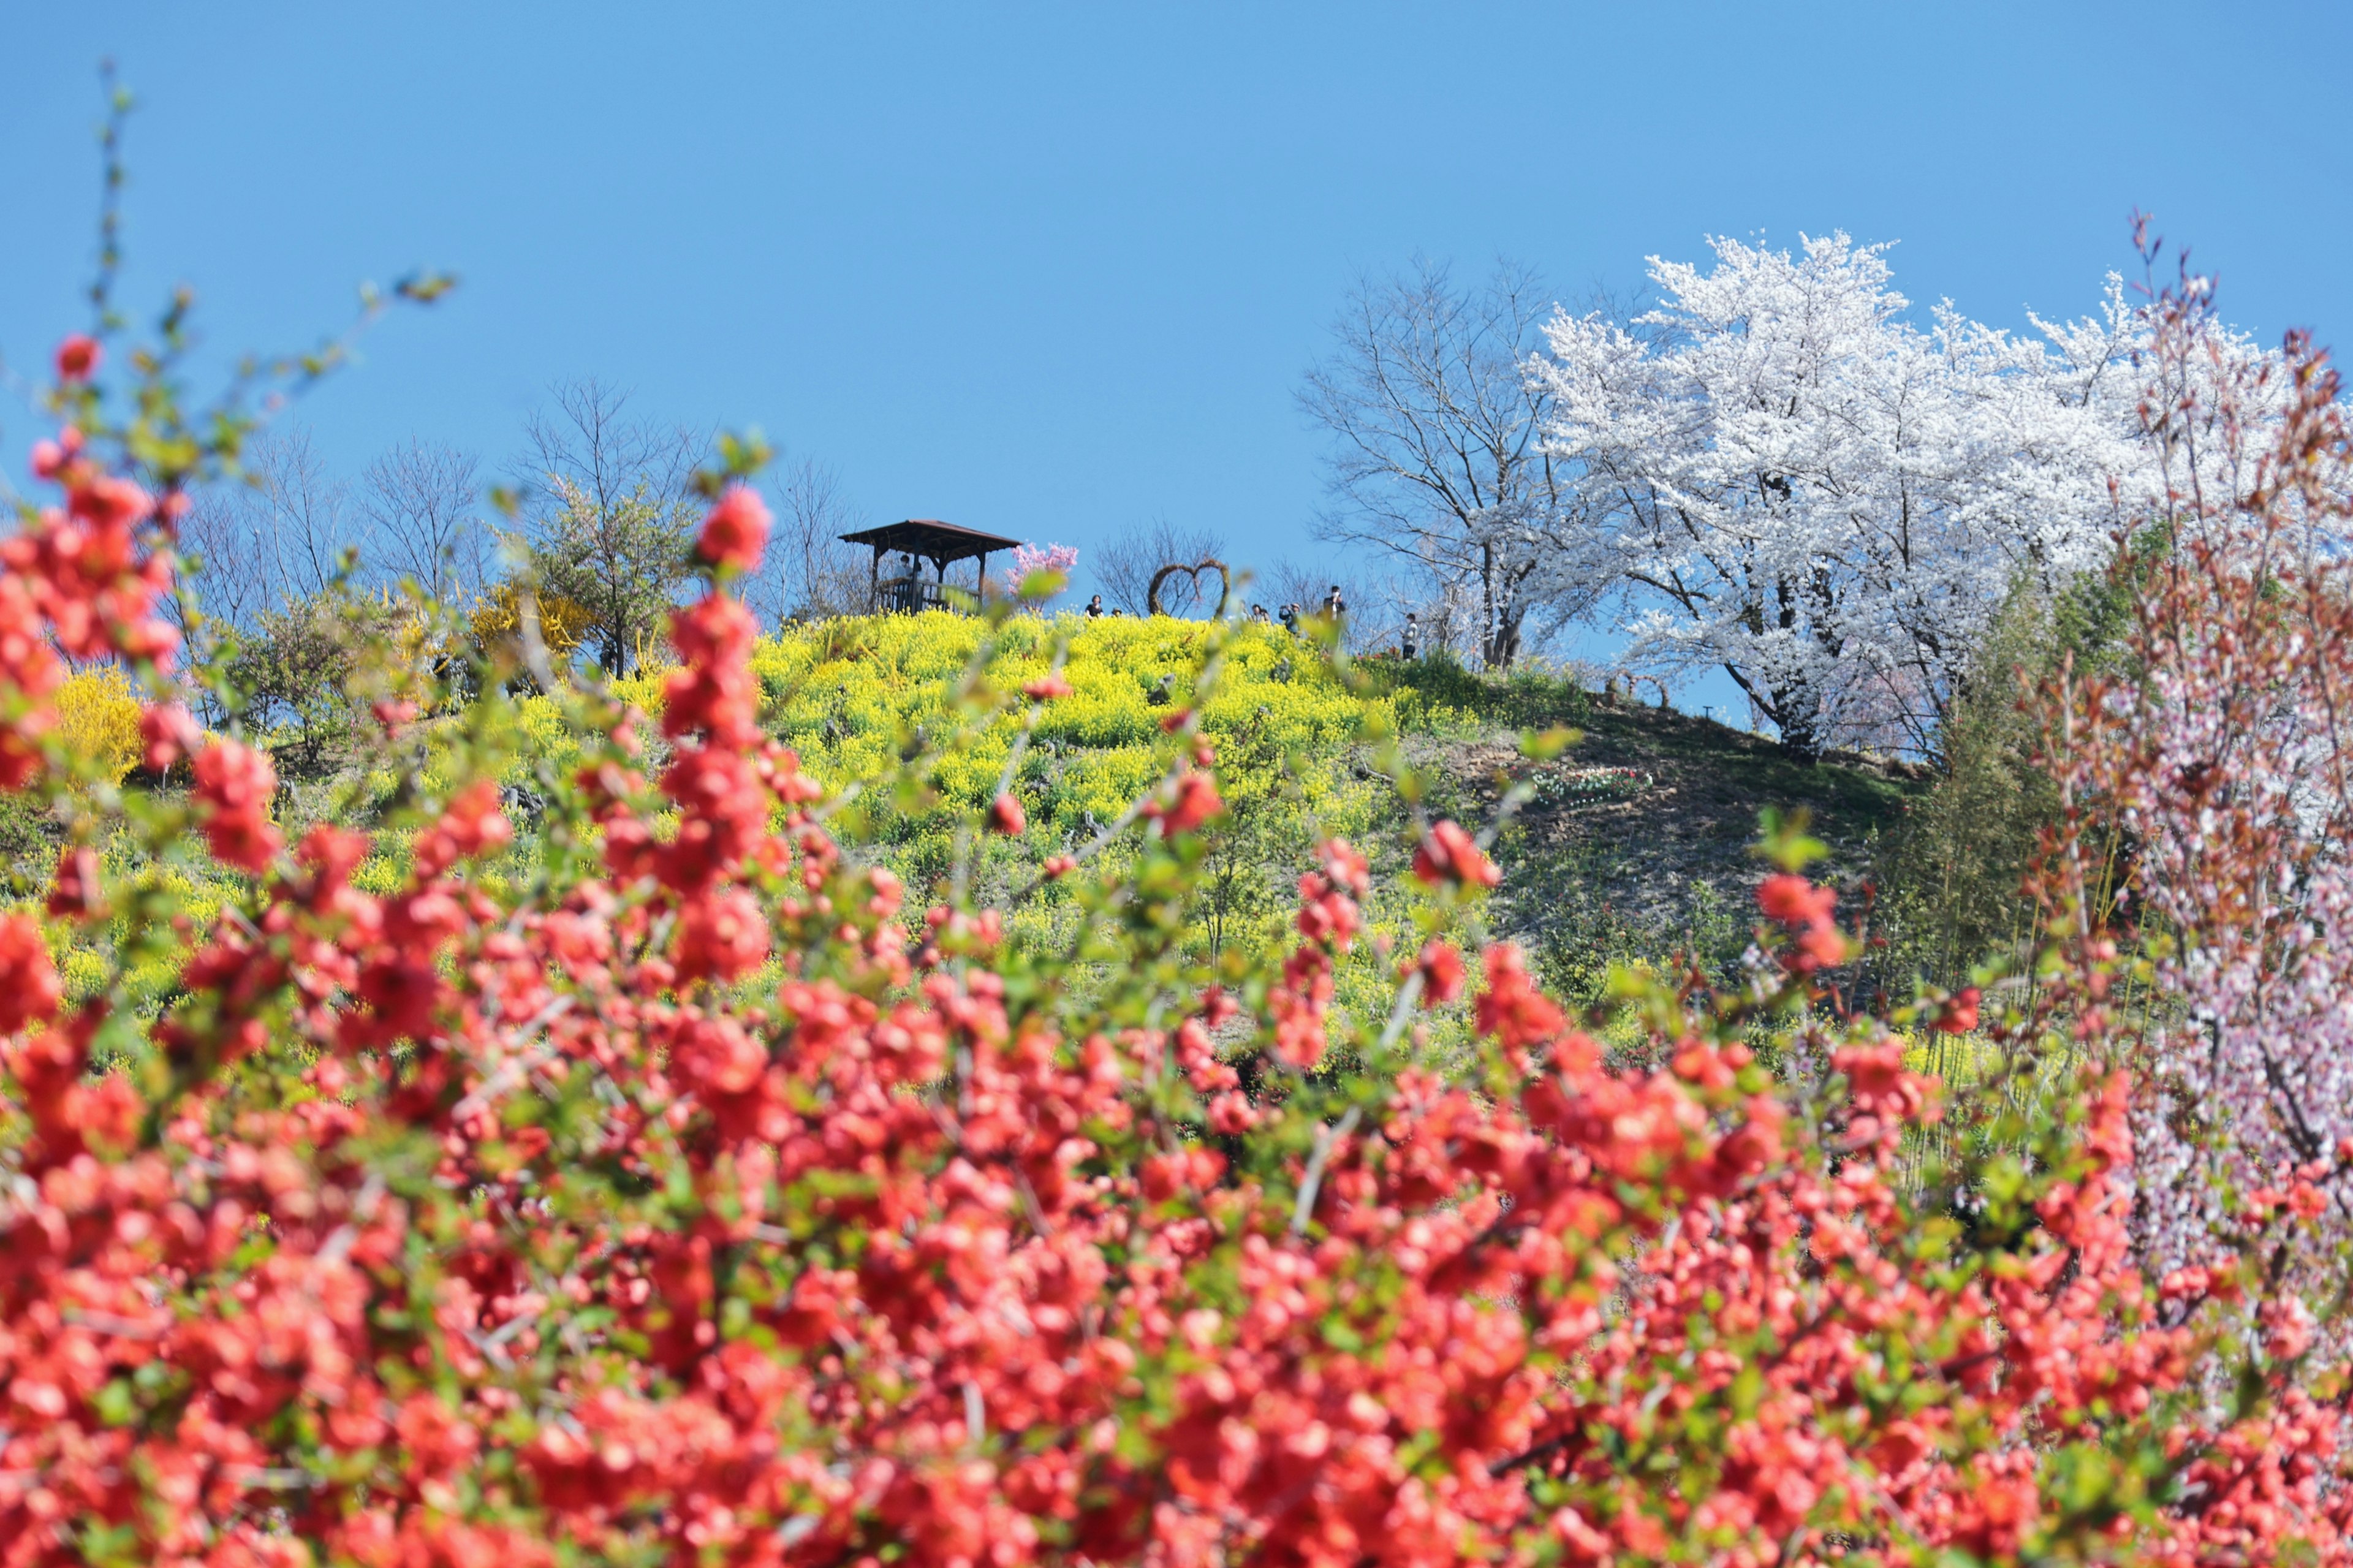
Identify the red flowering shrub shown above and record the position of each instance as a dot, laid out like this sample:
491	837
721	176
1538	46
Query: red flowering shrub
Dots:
688	1200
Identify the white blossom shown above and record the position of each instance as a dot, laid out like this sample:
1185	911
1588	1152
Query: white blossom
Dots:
1787	477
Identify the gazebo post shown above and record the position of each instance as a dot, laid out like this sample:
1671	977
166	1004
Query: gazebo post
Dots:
874	583
980	583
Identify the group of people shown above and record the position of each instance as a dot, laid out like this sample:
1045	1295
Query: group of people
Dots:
1335	604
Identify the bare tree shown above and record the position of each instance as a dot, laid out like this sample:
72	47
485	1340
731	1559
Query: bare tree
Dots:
298	516
612	512
227	571
810	574
420	501
279	533
1437	456
1125	567
1375	609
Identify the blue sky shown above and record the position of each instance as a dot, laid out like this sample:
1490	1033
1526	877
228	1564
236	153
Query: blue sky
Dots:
1055	269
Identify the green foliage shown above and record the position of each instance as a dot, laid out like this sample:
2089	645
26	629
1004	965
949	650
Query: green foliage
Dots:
1438	687
296	671
622	560
1953	870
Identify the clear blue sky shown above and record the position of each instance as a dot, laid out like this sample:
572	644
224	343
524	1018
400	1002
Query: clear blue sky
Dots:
1053	270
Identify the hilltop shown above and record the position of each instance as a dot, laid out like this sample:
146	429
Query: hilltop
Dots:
1638	840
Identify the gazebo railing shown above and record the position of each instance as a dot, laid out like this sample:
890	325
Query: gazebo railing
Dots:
916	593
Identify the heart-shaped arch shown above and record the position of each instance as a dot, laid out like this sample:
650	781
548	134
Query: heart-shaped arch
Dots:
1225	583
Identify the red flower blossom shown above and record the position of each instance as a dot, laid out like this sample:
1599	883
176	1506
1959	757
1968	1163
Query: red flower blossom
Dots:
1441	967
234	786
735	530
1447	854
1959	1014
29	989
1006	816
722	935
1809	910
77	358
1794	902
1197	802
169	731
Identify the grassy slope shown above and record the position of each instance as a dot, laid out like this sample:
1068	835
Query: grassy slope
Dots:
1589	882
1586	882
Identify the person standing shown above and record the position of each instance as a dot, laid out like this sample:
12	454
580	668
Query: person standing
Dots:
1334	605
1412	638
1291	619
1094	608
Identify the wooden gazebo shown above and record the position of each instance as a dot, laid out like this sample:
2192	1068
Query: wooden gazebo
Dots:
919	540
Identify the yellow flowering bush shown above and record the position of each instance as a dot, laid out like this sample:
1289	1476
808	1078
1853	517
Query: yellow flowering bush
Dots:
852	695
563	623
98	717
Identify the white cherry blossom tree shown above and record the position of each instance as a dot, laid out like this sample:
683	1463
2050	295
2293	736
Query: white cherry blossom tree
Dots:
1788	479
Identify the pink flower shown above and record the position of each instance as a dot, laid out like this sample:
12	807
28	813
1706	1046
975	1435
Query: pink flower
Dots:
1029	561
170	733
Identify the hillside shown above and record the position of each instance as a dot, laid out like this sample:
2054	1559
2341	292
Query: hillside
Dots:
1638	840
1636	844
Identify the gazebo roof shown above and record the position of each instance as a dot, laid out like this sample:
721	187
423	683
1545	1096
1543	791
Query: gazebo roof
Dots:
936	541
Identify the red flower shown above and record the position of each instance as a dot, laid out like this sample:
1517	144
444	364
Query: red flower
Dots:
50	458
109	504
78	893
1959	1015
1197	802
1004	815
470	823
1344	868
233	790
170	733
735	530
1059	866
1046	688
1810	910
28	981
724	935
1794	901
1447	854
77	358
1440	968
